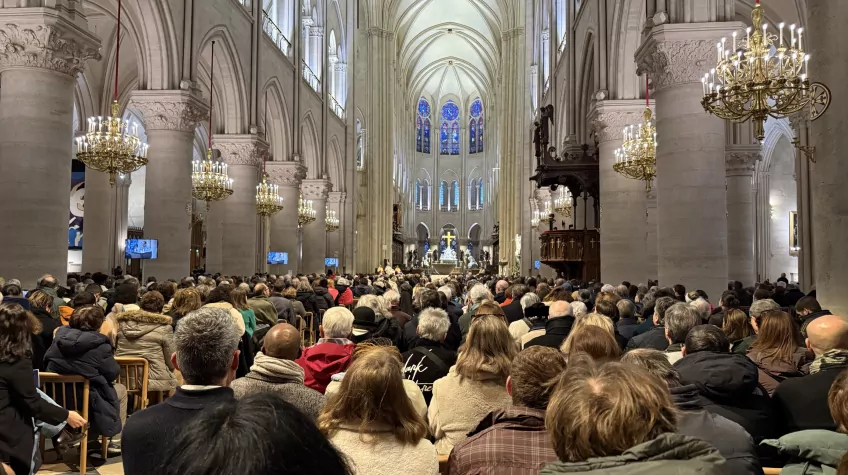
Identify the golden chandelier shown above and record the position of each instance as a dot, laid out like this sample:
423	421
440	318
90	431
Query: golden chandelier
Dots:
332	221
637	157
563	202
268	199
305	212
210	180
758	79
110	144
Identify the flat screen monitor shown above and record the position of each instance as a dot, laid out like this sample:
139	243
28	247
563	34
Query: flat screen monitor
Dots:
537	265
331	262
142	249
278	258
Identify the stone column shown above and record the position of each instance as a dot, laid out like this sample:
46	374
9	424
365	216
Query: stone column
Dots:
105	222
315	233
213	223
741	231
829	65
622	224
335	240
288	176
44	49
651	267
316	51
170	118
805	191
244	155
691	201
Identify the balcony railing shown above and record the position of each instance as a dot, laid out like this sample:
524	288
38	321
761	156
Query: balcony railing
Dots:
337	108
273	32
311	78
561	47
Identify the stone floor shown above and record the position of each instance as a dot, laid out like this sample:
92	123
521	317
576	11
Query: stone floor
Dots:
70	464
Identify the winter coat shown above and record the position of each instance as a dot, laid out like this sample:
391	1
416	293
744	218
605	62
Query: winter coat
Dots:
283	378
556	331
283	307
309	301
19	404
427	362
380	453
695	420
730	383
237	318
740	347
772	371
249	318
668	454
626	327
320	362
459	403
801	403
513	311
263	310
410	388
48	327
323	299
150	336
653	338
360	290
342	295
811	451
89	354
809	318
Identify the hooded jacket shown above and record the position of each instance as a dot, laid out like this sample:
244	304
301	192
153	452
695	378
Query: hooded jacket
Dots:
150	336
772	372
668	454
320	362
89	354
343	295
283	378
811	451
323	298
730	384
309	301
264	310
556	331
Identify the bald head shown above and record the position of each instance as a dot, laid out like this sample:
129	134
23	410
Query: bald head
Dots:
828	332
282	341
558	309
501	286
260	289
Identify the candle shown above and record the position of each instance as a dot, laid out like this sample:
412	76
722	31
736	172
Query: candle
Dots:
718	52
780	43
792	33
800	40
748	35
712	75
806	63
734	41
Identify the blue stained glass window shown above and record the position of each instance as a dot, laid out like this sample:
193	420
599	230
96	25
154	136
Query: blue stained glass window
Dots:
426	247
442	201
423	108
470	248
455	186
444	139
482	195
426	136
476	108
417	193
449	143
418	135
450	111
472	137
454	146
480	135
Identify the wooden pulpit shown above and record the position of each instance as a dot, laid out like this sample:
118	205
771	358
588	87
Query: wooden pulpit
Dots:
574	253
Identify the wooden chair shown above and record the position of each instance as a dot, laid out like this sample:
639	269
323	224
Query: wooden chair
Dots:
443	464
58	386
307	334
771	471
134	376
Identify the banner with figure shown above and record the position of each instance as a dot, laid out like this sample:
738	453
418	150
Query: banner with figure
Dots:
75	224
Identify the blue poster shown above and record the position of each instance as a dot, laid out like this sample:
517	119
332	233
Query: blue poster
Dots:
77	210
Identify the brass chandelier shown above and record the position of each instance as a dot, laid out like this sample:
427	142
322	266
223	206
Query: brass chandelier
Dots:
637	157
765	75
111	144
305	212
563	202
331	221
268	199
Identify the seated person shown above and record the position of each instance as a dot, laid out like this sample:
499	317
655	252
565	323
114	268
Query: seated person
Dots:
429	359
146	333
332	353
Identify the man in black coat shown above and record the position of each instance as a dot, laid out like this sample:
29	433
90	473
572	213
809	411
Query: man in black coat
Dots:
801	403
655	337
513	311
557	327
429	358
431	299
809	309
206	342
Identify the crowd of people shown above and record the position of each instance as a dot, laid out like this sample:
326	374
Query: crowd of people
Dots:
520	375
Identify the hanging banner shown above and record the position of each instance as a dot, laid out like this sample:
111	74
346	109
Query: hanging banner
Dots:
75	222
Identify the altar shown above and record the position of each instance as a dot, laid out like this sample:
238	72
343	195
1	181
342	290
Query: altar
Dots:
448	261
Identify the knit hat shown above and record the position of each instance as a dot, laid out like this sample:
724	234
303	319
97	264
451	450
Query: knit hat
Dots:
364	317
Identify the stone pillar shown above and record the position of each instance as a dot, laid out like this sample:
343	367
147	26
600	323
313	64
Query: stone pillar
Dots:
651	267
316	51
105	222
170	118
829	65
315	233
691	201
335	240
622	224
44	49
288	176
244	155
741	231
339	81
805	191
213	223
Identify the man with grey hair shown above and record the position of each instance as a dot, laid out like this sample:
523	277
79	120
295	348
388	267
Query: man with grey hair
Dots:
557	327
654	338
47	284
703	308
476	296
332	353
609	288
535	315
393	298
627	323
429	358
206	343
623	291
679	319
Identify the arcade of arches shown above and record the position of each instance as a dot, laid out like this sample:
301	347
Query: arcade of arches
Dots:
412	122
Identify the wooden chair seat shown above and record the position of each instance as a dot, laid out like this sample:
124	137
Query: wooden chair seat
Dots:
134	376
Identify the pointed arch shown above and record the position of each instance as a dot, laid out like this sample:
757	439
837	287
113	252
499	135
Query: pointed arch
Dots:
276	121
229	78
311	147
335	169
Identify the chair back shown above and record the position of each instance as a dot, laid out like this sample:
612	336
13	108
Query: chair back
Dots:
71	392
134	374
307	334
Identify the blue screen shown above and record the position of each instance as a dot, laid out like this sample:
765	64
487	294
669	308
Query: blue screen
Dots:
278	258
331	262
142	249
537	265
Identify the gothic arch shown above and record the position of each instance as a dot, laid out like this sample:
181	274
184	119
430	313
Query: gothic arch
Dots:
277	124
586	87
335	169
775	129
311	147
229	79
471	229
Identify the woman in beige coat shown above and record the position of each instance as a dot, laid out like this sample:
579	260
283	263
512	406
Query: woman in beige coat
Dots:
372	422
476	385
219	297
146	333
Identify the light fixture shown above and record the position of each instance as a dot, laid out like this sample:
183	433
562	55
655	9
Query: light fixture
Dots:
763	75
637	156
209	178
332	221
305	212
110	144
268	199
563	202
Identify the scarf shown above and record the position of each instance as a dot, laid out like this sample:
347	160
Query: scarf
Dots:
830	359
276	370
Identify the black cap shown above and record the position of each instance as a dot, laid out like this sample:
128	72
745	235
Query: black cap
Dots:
364	317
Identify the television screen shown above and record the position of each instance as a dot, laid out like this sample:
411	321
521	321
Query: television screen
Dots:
142	249
278	258
537	265
331	262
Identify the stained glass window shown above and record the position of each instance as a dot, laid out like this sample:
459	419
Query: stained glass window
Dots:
455	186
480	135
360	138
426	247
422	127
417	192
482	195
472	137
476	108
475	127
425	195
449	138
442	201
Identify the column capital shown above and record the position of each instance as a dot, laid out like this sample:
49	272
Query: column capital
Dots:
177	110
289	173
680	53
337	197
741	160
379	32
543	194
46	38
316	31
316	189
799	118
244	149
609	118
341	67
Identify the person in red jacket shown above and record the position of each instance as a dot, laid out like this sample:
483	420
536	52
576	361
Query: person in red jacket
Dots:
341	292
332	353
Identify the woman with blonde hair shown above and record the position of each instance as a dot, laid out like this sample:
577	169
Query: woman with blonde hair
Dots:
592	319
596	342
185	301
372	422
476	385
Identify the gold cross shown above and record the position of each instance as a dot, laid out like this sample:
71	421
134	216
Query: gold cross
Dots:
572	243
448	238
593	241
